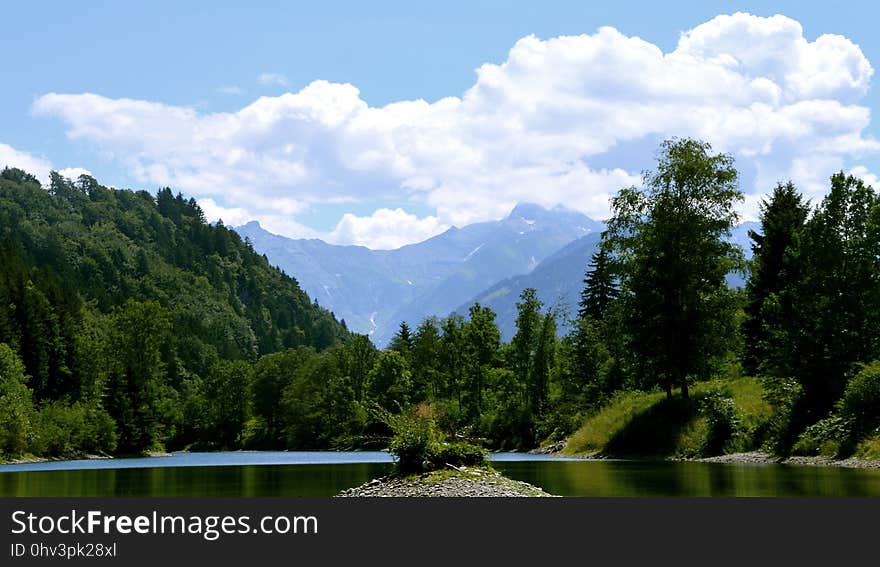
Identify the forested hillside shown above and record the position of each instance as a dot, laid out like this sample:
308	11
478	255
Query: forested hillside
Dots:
128	323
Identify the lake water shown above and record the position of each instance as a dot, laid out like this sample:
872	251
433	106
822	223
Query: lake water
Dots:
327	473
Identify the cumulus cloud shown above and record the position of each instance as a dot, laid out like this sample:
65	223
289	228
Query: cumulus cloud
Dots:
866	175
552	124
273	79
39	167
74	172
385	229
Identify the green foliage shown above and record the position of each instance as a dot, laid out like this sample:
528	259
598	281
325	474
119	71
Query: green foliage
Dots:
457	454
419	444
598	430
600	289
390	381
860	404
130	305
827	319
786	396
667	239
16	406
773	269
318	406
66	431
723	421
823	437
415	438
723	416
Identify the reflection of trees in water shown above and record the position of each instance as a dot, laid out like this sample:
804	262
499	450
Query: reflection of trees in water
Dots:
657	478
253	480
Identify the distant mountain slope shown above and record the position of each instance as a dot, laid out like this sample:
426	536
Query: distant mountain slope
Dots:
559	280
373	290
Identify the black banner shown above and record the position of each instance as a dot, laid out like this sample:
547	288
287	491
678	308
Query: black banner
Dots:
257	531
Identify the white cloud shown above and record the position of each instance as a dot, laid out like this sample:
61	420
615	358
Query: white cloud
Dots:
385	229
73	173
231	216
534	127
866	175
273	79
36	166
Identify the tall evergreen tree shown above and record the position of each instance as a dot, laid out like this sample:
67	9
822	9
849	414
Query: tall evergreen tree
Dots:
834	318
773	266
402	341
599	286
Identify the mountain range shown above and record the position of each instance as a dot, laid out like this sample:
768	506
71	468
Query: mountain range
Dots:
558	281
488	262
374	290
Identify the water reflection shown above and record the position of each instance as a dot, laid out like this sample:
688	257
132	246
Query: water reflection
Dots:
637	478
251	480
565	478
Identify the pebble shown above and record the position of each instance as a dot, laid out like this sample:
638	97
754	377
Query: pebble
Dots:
467	483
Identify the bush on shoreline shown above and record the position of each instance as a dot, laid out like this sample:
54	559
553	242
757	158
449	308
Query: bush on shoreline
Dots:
419	444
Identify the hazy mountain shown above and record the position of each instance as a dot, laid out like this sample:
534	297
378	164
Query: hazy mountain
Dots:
373	290
559	280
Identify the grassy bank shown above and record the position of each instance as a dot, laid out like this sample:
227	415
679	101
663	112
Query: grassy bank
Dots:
721	417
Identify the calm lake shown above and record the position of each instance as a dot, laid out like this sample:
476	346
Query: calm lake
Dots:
326	473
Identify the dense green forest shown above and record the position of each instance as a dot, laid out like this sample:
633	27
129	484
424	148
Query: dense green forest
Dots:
127	323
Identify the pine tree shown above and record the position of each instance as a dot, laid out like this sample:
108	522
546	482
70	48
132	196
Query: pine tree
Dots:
833	321
402	342
773	267
599	287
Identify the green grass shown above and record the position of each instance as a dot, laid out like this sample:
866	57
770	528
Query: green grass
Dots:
647	424
599	429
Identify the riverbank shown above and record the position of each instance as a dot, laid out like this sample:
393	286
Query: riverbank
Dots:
30	459
463	482
758	457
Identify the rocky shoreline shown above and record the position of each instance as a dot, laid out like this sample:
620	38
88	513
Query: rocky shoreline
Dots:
458	483
758	457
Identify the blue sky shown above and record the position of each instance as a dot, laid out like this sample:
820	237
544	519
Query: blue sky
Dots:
401	174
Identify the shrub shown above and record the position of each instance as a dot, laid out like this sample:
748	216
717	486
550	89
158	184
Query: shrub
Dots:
723	421
823	437
16	405
418	443
457	454
786	396
65	431
861	399
415	437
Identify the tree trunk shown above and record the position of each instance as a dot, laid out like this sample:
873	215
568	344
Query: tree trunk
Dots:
669	390
684	389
